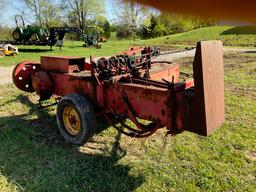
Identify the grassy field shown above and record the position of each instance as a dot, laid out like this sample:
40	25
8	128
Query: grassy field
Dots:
231	36
70	48
34	157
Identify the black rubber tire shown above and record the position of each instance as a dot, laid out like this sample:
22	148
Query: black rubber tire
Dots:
86	115
16	34
34	37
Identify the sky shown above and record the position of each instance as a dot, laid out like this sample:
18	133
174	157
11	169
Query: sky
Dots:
16	6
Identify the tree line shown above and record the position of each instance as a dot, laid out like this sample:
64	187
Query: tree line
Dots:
129	19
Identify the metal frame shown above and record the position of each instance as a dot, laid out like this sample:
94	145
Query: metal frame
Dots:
133	91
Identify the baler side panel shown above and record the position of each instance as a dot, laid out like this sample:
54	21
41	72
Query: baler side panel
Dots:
148	103
65	84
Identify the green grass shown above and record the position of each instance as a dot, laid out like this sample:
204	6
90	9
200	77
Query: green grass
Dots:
70	48
34	157
73	48
231	36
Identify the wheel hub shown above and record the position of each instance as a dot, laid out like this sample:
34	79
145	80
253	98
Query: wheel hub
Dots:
71	120
22	75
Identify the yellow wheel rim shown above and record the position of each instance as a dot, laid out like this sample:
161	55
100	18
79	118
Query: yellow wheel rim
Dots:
71	120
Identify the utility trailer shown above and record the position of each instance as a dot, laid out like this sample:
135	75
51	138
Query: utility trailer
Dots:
130	86
56	34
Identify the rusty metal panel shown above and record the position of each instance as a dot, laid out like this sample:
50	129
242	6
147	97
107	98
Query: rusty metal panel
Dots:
131	51
209	87
160	71
148	102
62	64
65	84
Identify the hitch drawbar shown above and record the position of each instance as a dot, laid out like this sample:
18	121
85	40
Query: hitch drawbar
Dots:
130	86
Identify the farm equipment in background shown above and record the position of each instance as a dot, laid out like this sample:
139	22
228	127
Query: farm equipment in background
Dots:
130	86
8	50
57	34
91	38
29	32
103	38
35	35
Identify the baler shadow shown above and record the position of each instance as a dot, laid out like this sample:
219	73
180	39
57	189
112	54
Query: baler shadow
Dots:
34	155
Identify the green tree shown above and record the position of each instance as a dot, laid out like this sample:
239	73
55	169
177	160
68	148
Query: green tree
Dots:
149	26
46	12
107	29
130	15
79	12
165	24
204	22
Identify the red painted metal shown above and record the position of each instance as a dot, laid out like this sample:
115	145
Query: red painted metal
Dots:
21	75
209	83
42	84
158	97
62	64
65	84
166	72
131	51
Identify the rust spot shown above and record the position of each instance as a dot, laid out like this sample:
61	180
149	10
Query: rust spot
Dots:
163	112
71	79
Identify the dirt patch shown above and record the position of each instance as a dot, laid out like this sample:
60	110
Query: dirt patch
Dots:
239	57
6	75
186	62
231	66
236	61
242	91
250	155
166	47
252	72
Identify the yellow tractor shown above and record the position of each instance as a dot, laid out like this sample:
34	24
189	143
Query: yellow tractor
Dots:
8	50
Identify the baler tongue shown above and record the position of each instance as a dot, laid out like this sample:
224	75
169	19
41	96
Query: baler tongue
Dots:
208	108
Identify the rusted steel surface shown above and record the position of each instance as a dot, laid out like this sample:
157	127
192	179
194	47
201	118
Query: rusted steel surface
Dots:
21	75
65	84
131	51
148	103
184	85
62	64
209	87
42	84
119	88
166	72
